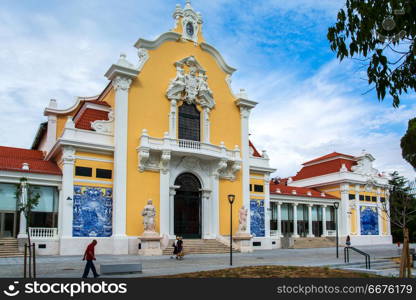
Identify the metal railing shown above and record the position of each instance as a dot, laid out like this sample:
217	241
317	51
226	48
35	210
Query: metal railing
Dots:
44	233
366	255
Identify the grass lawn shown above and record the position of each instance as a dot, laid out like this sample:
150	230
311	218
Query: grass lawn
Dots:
274	272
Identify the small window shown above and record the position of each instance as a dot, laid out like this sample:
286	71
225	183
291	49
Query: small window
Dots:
103	173
382	199
251	187
374	199
258	188
367	198
351	196
83	171
361	197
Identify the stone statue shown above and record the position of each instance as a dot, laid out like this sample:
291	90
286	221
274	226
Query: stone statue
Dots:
149	214
242	219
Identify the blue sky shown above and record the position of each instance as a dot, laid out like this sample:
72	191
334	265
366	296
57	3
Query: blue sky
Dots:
309	103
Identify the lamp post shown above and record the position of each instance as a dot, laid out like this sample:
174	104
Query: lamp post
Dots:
231	199
336	205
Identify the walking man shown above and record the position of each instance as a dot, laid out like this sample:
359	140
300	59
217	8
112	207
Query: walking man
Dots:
89	255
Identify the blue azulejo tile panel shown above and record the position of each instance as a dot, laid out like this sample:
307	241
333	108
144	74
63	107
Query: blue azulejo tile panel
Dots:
257	218
93	210
369	220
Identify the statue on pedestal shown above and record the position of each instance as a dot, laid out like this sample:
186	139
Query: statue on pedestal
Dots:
149	214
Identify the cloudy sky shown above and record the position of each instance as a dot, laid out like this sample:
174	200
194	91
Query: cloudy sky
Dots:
309	103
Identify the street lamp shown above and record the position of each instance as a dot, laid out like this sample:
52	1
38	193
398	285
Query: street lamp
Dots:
231	199
336	205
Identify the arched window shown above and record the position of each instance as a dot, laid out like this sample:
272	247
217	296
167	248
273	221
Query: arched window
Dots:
189	122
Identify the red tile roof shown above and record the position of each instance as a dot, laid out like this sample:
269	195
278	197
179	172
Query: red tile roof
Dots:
327	164
282	189
90	115
331	155
12	159
255	152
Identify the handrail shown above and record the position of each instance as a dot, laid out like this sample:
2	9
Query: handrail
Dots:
366	255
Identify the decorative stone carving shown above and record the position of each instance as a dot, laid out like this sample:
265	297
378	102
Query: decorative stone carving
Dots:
144	155
164	161
122	83
365	166
221	167
143	55
191	163
192	87
149	215
68	154
104	126
190	18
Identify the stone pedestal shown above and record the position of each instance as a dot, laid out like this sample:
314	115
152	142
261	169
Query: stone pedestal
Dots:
150	244
243	242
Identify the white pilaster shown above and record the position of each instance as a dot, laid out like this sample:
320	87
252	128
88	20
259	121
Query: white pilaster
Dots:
206	214
172	193
295	221
245	108
279	219
51	133
357	209
207	126
67	199
165	203
215	219
388	214
267	205
343	216
121	74
23	222
121	86
310	232
323	220
172	118
379	212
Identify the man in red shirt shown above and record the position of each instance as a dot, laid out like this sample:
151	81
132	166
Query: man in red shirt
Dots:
89	255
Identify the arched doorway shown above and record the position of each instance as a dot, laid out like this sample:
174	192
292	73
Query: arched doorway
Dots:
187	207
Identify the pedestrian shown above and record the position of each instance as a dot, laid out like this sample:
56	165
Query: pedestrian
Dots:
348	241
175	247
89	256
179	249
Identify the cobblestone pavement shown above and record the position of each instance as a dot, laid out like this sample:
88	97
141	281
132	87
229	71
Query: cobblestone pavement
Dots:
72	266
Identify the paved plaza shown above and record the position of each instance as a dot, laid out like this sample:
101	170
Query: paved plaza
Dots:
72	266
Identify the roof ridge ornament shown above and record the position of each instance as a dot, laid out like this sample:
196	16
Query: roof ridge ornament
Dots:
191	21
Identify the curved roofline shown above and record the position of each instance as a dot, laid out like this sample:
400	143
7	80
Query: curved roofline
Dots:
55	111
174	36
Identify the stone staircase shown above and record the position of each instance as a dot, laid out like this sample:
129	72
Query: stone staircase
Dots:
313	242
9	247
199	246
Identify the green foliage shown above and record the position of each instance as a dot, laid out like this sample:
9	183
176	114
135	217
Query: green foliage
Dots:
402	205
382	34
408	143
32	199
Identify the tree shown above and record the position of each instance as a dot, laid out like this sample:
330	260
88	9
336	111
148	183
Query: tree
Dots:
408	143
27	200
401	211
380	33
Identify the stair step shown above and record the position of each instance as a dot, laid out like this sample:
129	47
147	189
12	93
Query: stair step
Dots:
200	247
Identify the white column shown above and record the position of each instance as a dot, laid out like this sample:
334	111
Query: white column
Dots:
215	207
245	153
295	221
323	220
279	219
23	223
51	133
310	232
67	199
344	224
207	126
121	86
172	118
206	213
267	205
172	193
164	218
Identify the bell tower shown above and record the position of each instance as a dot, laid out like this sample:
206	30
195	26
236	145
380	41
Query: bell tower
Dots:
188	23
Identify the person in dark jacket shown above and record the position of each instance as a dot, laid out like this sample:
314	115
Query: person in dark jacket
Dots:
348	241
175	247
89	256
179	249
